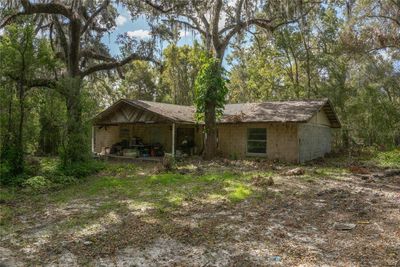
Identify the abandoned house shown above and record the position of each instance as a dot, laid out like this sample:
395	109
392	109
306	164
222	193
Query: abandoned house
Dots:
294	131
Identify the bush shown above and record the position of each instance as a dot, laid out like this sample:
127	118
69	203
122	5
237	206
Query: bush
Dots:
32	166
168	162
83	169
8	179
389	158
5	174
37	183
61	179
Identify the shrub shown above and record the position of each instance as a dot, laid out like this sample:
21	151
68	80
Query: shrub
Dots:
83	169
37	183
168	162
5	173
389	158
61	179
32	166
8	179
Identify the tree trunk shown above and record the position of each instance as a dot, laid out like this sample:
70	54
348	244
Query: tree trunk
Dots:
210	118
211	131
75	148
19	149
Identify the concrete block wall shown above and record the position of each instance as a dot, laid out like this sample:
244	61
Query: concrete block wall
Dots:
281	140
314	141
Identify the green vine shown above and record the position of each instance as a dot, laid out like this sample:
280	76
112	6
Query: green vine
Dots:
210	86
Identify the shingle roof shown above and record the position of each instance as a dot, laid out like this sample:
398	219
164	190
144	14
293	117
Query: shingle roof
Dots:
278	111
173	112
274	111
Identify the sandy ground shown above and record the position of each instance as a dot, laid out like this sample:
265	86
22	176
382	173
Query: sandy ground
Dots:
291	223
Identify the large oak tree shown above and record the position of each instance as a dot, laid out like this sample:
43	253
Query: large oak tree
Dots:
75	29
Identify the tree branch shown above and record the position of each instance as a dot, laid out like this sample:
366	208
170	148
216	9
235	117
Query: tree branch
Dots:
159	8
47	8
215	21
94	55
10	19
385	17
94	15
194	27
38	8
113	65
41	83
61	35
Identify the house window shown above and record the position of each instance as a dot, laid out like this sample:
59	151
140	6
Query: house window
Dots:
256	141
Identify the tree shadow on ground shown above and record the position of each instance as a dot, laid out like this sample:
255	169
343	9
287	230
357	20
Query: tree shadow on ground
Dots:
178	220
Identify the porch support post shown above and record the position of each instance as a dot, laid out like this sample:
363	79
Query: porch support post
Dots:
93	137
173	139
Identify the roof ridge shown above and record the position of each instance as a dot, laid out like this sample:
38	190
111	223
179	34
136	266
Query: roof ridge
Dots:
281	101
147	101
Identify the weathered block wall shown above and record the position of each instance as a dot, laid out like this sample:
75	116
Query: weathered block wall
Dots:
282	139
105	137
314	141
153	133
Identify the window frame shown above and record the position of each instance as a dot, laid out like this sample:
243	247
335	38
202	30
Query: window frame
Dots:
252	140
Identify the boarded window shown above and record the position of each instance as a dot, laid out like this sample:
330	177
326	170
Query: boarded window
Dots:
256	140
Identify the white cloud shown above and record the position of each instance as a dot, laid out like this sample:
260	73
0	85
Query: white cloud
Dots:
184	33
142	34
1	31
121	20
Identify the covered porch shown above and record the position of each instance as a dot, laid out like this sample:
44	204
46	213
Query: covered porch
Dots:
146	130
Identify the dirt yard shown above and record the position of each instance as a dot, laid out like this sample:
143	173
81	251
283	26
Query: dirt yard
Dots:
223	213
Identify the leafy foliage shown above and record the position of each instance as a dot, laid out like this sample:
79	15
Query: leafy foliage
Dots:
180	68
210	86
36	183
24	60
82	169
311	59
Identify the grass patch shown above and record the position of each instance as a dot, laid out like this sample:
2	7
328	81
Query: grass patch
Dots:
6	217
7	194
169	178
238	191
389	159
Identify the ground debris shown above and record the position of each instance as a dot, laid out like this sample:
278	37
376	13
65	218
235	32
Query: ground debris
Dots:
391	173
295	172
355	169
260	180
344	226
